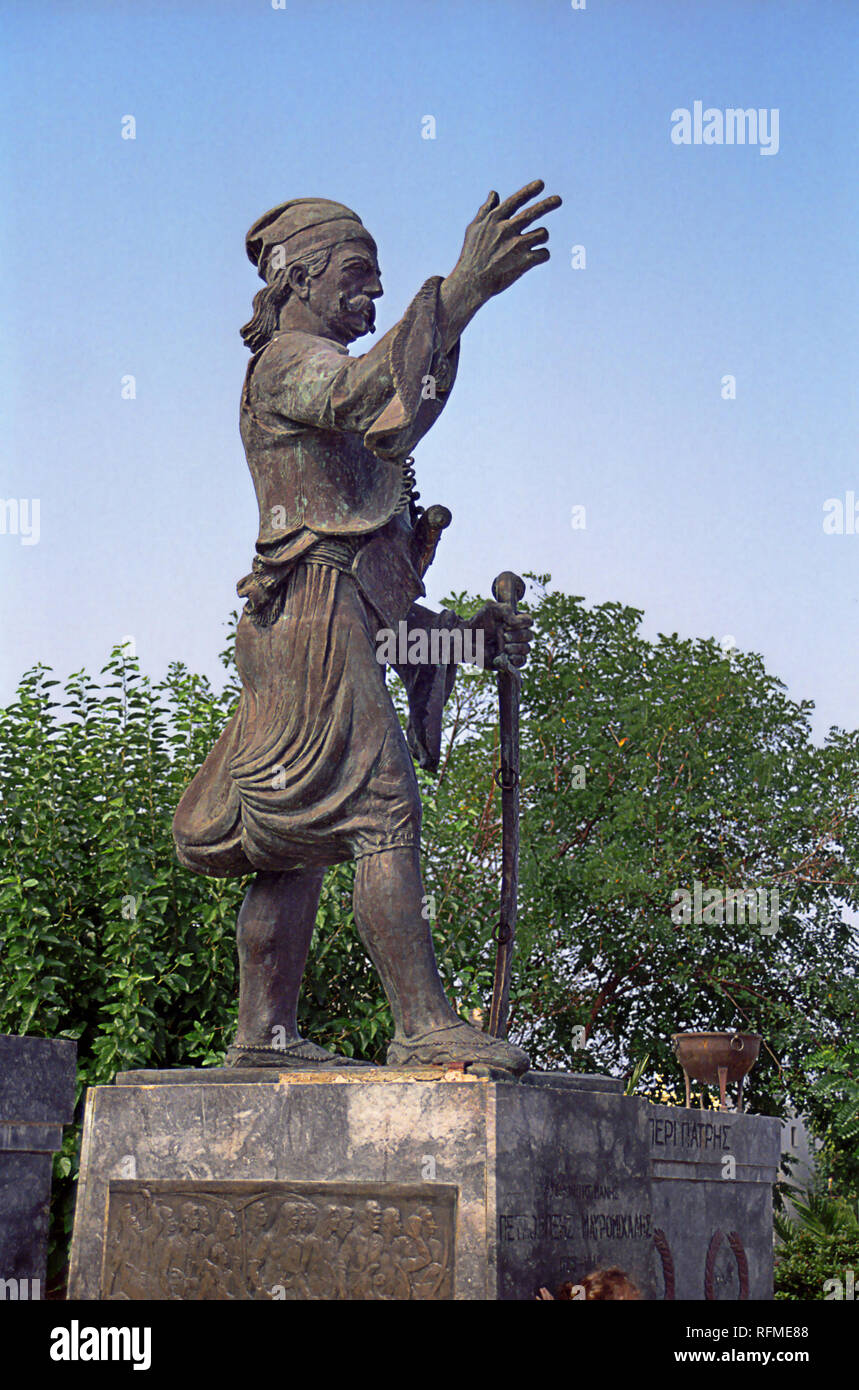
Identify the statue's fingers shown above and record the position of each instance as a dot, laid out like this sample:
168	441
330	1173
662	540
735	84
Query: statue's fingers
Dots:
523	196
534	238
537	211
491	202
536	256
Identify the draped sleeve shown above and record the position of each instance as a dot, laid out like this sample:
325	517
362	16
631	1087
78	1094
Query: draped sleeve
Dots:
390	395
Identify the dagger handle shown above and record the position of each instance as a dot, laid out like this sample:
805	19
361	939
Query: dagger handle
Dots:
430	526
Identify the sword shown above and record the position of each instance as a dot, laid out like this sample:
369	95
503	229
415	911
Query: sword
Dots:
507	588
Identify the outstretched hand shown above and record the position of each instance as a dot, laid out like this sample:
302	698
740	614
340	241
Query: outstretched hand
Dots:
498	249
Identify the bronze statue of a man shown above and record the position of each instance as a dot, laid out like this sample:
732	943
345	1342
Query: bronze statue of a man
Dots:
314	769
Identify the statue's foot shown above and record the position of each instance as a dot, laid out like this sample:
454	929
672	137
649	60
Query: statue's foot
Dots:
457	1043
297	1055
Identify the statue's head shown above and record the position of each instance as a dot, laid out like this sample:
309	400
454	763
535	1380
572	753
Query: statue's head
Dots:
372	1215
193	1216
320	255
391	1222
427	1220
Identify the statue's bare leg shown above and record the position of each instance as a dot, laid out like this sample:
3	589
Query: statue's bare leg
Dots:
275	925
388	900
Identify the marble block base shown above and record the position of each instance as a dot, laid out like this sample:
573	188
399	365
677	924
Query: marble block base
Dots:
395	1184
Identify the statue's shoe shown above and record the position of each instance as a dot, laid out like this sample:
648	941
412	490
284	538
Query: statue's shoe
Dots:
299	1055
457	1043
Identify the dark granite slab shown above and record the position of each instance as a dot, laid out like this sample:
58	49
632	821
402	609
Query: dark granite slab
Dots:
37	1079
37	1097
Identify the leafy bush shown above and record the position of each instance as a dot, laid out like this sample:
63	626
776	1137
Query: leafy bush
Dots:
820	1244
804	1266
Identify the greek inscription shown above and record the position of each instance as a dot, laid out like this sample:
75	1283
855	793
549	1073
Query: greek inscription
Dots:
583	1192
617	1226
529	1226
690	1134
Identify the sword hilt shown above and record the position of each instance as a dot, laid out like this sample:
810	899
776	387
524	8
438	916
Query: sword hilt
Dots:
507	588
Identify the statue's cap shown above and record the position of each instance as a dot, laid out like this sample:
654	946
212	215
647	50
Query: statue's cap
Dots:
300	227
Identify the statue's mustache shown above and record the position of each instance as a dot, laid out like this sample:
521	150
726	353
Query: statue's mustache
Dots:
359	304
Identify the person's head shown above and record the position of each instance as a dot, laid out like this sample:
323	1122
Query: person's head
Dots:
192	1216
427	1221
169	1221
306	1221
228	1226
329	1222
372	1218
290	1217
321	271
602	1284
391	1222
257	1217
136	1220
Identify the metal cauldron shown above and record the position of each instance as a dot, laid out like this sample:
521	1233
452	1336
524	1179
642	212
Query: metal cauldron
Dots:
717	1057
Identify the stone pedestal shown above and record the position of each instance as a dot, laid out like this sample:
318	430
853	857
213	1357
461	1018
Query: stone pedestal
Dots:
37	1097
711	1183
395	1184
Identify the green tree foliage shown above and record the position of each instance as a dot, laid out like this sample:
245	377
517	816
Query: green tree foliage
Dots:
648	766
697	768
827	1090
818	1252
645	766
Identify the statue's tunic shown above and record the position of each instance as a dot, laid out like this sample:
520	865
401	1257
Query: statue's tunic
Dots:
313	768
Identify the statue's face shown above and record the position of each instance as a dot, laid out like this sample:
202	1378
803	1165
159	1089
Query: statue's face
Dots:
342	296
227	1227
427	1220
391	1224
192	1217
258	1217
373	1216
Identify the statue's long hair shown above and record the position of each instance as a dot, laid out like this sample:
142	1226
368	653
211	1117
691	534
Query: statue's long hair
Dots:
269	301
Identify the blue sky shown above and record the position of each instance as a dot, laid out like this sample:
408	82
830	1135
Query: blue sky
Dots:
599	387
